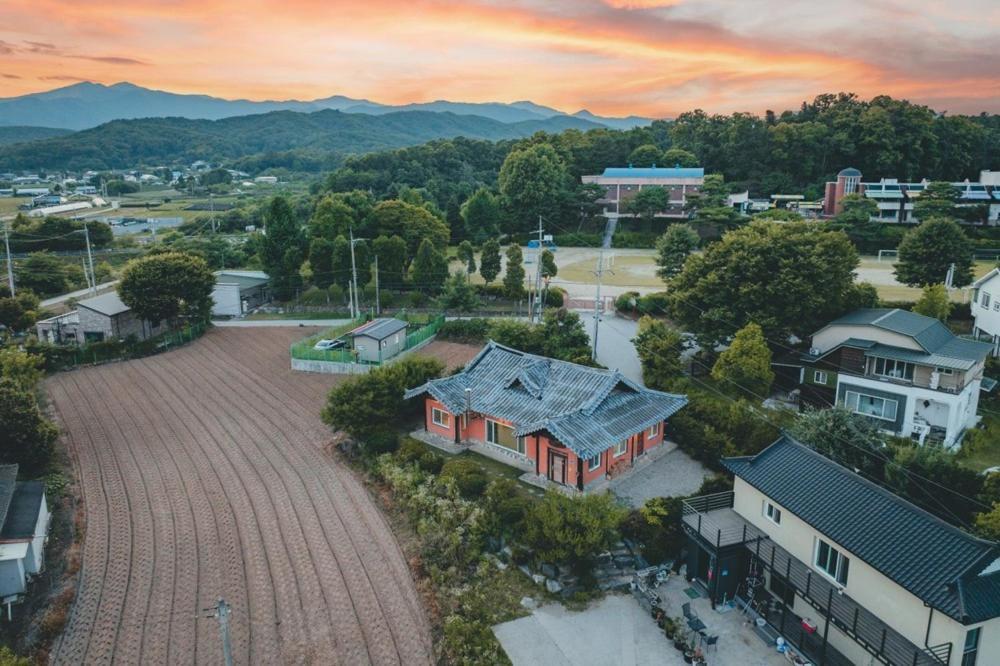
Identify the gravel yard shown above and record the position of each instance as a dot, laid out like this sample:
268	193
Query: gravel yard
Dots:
205	474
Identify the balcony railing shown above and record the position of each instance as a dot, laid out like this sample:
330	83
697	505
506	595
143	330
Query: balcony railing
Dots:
712	518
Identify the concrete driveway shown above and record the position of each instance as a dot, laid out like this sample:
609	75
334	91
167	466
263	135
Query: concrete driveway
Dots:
668	473
614	632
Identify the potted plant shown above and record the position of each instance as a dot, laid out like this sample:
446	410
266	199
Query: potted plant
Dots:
689	653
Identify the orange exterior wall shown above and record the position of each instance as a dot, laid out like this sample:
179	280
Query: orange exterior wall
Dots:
538	445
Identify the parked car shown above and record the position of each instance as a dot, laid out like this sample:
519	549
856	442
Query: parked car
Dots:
326	345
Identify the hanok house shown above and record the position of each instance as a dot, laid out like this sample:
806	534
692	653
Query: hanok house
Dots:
24	516
847	571
564	422
97	319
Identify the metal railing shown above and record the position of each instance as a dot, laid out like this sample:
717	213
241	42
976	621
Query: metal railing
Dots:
864	627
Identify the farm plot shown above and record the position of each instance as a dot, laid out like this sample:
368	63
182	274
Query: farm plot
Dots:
204	476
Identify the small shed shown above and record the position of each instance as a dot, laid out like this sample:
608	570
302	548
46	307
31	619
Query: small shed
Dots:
238	292
25	526
379	339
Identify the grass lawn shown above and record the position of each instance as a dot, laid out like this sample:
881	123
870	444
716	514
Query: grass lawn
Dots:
8	205
626	271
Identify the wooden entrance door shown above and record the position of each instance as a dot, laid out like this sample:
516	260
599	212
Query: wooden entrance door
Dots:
640	445
557	468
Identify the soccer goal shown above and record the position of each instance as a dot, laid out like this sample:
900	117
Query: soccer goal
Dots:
887	255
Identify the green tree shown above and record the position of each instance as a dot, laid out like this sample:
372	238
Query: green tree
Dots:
321	261
27	437
513	279
572	529
646	155
934	302
709	206
43	273
283	248
215	177
988	523
391	253
679	157
504	507
850	439
413	224
459	294
18	313
790	278
161	287
467	254
649	201
489	260
673	248
20	367
564	337
939	199
927	251
533	182
659	349
331	218
857	211
746	364
340	262
430	268
939	467
363	405
548	265
482	215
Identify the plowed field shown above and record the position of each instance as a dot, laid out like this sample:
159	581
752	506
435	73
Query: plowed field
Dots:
204	475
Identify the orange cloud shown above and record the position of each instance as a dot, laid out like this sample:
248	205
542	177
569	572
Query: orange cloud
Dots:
604	55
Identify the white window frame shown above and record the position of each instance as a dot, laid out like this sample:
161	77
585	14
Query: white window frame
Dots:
621	448
944	371
984	300
445	422
820	377
857	399
654	430
591	465
841	563
772	513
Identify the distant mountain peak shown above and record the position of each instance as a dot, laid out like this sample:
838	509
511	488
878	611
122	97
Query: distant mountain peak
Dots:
87	104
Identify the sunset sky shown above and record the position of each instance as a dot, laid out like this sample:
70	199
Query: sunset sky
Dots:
613	57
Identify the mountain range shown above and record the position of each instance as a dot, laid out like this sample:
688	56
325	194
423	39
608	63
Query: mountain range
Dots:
85	105
300	141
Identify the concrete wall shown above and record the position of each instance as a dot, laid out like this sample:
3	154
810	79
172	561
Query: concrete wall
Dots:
987	318
12	579
888	601
118	327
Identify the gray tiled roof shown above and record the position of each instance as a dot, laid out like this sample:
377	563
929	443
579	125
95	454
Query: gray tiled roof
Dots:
379	329
109	304
937	562
587	409
8	480
930	334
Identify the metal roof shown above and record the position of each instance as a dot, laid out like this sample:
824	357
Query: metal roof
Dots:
930	334
654	172
849	171
244	279
22	516
379	329
109	304
587	409
986	278
914	356
937	562
8	480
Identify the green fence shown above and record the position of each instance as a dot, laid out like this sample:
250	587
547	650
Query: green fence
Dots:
58	357
303	349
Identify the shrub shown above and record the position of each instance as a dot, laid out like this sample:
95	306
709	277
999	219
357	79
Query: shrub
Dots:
469	477
634	239
572	529
653	304
410	450
465	330
555	297
627	301
431	462
386	298
578	240
417	299
469	642
383	440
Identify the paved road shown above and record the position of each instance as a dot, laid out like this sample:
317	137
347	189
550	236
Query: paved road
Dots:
205	473
614	343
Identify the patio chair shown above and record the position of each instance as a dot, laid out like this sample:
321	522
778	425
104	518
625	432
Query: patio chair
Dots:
712	642
688	613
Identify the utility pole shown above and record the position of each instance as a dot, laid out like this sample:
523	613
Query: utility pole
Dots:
90	259
211	203
536	314
378	305
10	265
222	613
597	299
356	306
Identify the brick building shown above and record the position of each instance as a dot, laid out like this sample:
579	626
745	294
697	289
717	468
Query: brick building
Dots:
620	184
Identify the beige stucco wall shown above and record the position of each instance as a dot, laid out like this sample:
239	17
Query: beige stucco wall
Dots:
887	600
834	335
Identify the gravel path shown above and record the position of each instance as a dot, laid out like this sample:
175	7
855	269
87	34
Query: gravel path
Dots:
204	475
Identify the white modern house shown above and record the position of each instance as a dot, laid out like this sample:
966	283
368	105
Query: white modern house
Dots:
986	309
238	292
907	372
842	568
24	528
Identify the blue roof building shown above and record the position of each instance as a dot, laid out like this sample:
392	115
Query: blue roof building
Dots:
621	184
